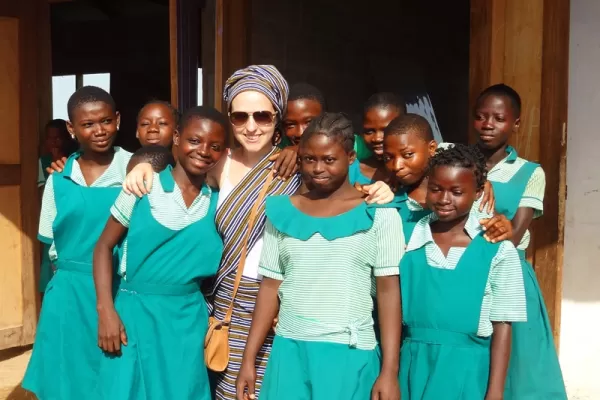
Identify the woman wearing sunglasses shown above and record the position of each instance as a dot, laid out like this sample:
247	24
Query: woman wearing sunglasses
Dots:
256	97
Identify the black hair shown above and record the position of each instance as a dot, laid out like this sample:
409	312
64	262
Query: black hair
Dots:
502	90
301	91
173	110
204	112
410	123
69	145
385	100
462	156
89	94
332	125
157	156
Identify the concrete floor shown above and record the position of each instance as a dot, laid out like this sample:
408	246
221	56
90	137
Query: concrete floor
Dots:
12	367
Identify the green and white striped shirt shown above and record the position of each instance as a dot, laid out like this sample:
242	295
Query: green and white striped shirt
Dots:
504	296
167	207
326	290
113	176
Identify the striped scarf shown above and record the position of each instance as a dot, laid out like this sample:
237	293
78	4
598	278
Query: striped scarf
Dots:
232	217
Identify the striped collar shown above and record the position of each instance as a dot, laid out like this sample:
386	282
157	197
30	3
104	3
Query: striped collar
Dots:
422	233
112	176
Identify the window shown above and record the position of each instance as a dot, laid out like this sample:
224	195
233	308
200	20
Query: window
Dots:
199	86
64	86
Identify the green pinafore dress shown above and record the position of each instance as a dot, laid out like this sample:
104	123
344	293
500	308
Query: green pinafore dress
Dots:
442	357
162	309
66	357
534	371
409	217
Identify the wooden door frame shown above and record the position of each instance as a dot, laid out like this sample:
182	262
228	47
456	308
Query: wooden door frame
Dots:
492	60
35	109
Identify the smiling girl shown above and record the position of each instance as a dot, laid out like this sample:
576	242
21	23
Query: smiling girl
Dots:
76	202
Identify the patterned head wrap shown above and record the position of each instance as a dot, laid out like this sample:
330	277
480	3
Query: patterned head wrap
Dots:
265	79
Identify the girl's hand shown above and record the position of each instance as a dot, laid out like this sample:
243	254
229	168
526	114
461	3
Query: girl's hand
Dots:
245	381
57	166
286	162
111	332
386	388
488	198
497	228
139	180
377	193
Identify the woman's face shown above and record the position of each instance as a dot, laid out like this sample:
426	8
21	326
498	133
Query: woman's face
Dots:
253	137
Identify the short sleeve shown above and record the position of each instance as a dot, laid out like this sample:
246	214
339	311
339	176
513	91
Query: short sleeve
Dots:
533	196
389	239
48	213
123	208
269	264
41	179
508	289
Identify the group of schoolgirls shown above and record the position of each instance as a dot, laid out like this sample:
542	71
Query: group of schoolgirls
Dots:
421	298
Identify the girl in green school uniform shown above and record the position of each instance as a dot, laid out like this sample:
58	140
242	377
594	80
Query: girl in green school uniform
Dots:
154	330
156	124
76	202
519	185
321	249
379	110
460	293
408	146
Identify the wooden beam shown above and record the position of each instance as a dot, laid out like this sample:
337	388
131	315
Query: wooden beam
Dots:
232	42
549	235
173	52
10	174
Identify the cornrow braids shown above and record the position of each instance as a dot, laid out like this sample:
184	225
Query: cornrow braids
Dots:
174	111
462	156
89	94
385	100
502	90
333	125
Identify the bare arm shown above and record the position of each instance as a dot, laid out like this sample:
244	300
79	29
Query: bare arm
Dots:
520	223
267	307
110	329
500	356
390	308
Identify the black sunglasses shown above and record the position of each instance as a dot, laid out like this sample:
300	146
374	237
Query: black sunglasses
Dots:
240	118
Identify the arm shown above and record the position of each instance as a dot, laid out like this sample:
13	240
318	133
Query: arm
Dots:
390	249
389	305
531	205
267	307
508	305
265	311
500	356
377	193
286	162
111	332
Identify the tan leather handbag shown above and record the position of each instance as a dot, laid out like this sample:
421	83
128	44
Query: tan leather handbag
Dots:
216	343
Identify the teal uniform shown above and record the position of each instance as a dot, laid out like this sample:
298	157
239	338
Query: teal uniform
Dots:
45	265
448	303
325	346
534	371
410	211
159	299
65	359
356	176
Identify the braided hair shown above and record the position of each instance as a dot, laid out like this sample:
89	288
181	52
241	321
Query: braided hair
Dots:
333	125
462	156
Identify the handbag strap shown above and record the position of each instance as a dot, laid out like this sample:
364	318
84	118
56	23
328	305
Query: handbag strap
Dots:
251	223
